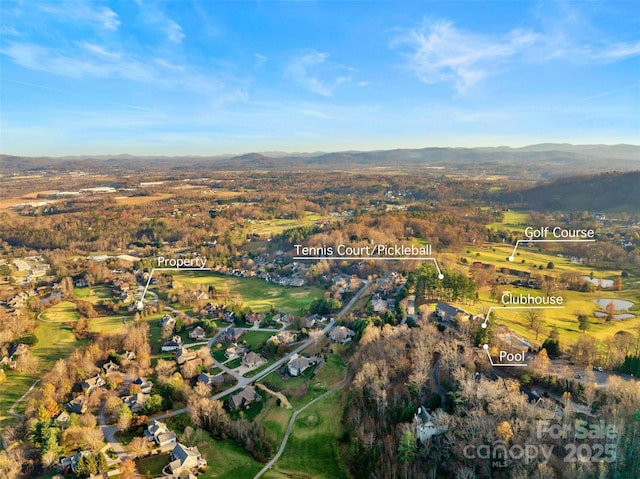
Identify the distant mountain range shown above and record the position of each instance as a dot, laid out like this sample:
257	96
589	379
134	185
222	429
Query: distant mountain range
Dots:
532	162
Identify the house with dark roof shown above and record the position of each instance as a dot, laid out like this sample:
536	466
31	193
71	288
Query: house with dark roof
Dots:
446	312
172	344
210	379
244	399
232	334
135	401
144	384
77	405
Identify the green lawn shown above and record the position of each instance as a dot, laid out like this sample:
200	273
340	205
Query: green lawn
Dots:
255	338
55	341
276	226
225	459
93	294
62	312
151	466
513	220
259	295
302	389
107	323
313	449
274	418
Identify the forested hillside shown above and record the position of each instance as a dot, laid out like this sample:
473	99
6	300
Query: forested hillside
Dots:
603	192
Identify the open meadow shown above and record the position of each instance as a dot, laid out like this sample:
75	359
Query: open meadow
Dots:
259	295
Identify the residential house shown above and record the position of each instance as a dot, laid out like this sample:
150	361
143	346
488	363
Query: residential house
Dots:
211	380
285	337
185	459
167	320
197	333
232	334
68	464
128	355
254	318
235	350
253	360
341	335
425	426
298	365
62	419
314	321
185	354
144	384
160	433
7	361
448	313
110	367
172	344
91	384
284	318
244	399
77	405
135	402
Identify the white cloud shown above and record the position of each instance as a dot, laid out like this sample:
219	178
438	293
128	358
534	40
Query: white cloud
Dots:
307	68
103	17
154	16
260	59
439	52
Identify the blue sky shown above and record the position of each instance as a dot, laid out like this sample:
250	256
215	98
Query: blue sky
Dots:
204	77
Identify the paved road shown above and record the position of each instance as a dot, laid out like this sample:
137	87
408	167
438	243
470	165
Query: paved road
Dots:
109	434
275	458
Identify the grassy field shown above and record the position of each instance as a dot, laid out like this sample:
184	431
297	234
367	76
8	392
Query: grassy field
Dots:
313	449
93	294
62	312
259	295
274	418
564	319
55	341
276	226
513	221
302	389
151	466
225	459
497	254
255	338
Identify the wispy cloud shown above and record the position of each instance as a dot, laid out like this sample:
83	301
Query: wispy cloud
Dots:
308	68
103	17
154	16
439	52
260	59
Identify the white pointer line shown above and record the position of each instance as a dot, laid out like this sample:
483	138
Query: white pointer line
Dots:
503	364
376	258
513	255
